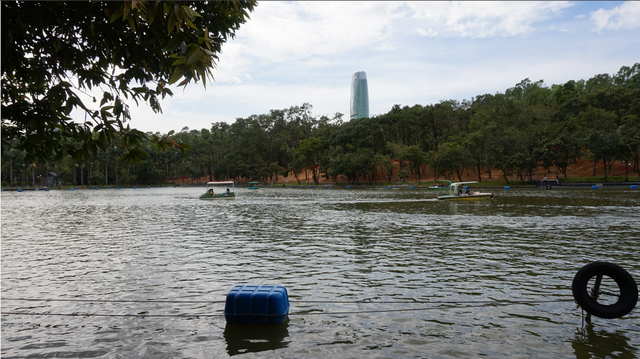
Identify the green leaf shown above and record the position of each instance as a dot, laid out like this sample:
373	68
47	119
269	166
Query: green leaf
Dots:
179	61
178	72
117	14
195	57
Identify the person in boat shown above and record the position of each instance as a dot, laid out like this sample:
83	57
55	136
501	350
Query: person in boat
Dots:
227	192
211	190
459	192
466	191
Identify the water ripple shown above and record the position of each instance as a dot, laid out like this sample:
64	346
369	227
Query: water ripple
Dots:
322	244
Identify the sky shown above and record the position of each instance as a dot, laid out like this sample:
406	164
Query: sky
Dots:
290	53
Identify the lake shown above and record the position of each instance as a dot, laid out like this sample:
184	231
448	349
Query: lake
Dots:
384	273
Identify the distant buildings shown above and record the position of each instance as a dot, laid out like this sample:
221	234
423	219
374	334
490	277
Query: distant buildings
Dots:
359	96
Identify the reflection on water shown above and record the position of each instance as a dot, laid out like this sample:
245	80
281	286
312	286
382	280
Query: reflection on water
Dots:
253	338
342	246
590	343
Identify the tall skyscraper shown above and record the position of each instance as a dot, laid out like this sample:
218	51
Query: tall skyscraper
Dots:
359	95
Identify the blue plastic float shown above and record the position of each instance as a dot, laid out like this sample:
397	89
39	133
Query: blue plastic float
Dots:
505	187
257	304
595	187
634	186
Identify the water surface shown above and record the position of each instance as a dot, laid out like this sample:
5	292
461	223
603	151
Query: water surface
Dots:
426	270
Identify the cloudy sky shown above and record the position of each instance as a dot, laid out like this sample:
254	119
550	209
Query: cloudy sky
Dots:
290	53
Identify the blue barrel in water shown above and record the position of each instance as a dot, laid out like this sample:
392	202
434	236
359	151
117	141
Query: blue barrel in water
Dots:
257	304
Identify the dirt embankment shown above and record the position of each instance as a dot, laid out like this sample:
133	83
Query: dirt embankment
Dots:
582	168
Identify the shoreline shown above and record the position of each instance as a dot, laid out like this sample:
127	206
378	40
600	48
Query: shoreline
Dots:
380	185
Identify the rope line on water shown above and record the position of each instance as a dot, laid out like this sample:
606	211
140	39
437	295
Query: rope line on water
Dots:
110	301
290	301
441	305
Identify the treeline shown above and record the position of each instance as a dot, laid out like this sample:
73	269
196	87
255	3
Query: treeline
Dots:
510	133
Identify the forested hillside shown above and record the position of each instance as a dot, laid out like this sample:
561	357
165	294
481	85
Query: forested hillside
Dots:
508	134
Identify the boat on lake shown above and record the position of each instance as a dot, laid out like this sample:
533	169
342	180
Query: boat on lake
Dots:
227	193
441	187
459	192
253	185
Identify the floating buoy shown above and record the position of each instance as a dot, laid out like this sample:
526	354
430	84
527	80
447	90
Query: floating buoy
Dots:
348	186
291	186
388	187
310	186
634	186
595	187
70	189
46	190
257	304
627	298
505	187
411	187
326	186
19	190
301	186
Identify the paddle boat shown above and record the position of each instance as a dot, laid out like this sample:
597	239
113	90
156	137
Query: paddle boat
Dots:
441	187
253	185
457	192
227	193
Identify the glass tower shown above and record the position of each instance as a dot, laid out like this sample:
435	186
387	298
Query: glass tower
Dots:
359	96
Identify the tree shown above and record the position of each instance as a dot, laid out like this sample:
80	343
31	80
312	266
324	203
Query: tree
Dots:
417	158
54	53
561	151
311	154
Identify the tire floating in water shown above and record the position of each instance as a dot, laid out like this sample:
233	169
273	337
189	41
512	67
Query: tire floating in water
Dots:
627	298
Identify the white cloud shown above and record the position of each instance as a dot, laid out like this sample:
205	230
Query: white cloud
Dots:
625	16
485	19
427	33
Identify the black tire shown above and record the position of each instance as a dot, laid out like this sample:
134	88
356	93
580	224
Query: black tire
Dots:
628	290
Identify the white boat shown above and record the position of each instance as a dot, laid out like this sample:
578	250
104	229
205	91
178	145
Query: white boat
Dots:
458	192
226	193
441	187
